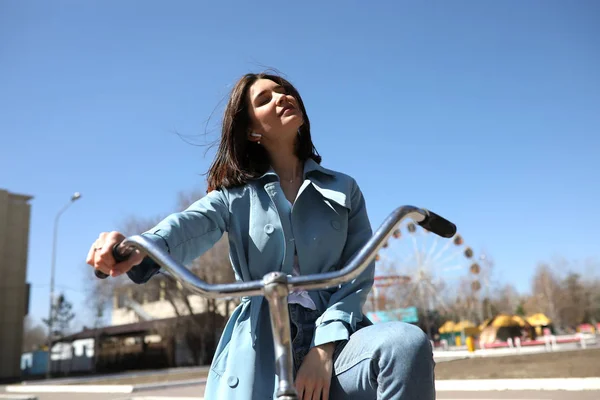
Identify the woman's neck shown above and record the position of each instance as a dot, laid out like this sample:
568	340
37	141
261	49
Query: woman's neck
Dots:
287	165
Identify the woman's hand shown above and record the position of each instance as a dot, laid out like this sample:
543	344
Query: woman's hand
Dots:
314	377
100	255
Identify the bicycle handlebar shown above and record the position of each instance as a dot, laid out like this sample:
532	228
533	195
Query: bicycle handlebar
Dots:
275	286
425	218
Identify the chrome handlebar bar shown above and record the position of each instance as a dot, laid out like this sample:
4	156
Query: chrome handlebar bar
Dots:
276	286
355	266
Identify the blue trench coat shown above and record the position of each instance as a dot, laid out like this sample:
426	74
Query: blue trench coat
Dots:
329	223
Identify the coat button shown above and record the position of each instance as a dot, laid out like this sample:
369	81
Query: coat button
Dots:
269	229
336	224
232	381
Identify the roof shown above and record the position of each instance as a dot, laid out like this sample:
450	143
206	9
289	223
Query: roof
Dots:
17	196
137	328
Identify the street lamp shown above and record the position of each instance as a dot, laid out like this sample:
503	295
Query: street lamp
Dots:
76	196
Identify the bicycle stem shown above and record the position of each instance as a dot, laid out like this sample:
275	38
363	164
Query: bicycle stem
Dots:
276	292
276	287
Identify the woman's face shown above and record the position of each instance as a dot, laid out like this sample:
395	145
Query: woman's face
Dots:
274	114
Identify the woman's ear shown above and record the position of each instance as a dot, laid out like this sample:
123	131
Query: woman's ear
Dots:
254	137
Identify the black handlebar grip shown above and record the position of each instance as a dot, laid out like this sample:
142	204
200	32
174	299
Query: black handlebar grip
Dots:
438	225
118	256
121	255
99	274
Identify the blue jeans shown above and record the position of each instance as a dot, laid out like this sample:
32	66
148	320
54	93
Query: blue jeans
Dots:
391	361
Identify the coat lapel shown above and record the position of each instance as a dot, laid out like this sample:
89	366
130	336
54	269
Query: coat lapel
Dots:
323	180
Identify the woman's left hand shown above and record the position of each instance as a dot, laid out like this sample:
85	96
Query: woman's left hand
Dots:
314	377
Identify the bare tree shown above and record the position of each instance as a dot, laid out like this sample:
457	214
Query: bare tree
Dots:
488	280
60	318
568	298
34	336
190	323
590	271
568	292
573	301
506	299
546	292
463	302
594	295
393	293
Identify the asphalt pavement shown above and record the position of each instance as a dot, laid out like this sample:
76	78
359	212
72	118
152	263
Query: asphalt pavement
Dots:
196	392
520	395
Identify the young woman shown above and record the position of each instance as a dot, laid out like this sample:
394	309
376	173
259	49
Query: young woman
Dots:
284	211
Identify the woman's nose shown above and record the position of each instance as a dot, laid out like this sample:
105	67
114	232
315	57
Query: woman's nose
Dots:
281	98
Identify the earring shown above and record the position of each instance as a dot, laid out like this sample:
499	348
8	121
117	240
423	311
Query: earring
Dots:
256	135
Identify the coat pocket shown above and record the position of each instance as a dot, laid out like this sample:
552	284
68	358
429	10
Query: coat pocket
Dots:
231	337
219	365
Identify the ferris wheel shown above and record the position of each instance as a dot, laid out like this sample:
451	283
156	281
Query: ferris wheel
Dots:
418	268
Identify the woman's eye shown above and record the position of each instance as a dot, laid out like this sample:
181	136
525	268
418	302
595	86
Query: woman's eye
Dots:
263	101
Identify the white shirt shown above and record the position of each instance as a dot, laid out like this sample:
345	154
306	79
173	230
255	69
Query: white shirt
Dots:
298	296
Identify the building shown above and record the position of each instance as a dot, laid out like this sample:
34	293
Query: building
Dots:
136	303
15	212
154	325
146	332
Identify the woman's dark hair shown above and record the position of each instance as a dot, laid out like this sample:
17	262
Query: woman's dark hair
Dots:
239	160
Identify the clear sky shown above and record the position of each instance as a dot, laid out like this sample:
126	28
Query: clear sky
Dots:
486	112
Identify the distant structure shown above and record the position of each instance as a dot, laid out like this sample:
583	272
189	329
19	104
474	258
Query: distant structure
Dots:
132	305
15	212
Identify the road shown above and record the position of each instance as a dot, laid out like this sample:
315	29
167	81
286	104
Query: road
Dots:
518	395
197	391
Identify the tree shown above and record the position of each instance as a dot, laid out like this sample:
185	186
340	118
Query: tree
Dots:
520	311
488	309
391	294
594	294
568	299
591	284
572	307
546	290
100	294
506	299
61	316
213	267
464	305
34	336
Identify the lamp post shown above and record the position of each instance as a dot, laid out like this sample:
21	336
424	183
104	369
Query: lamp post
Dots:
76	196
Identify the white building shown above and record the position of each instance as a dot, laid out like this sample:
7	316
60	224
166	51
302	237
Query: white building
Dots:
159	299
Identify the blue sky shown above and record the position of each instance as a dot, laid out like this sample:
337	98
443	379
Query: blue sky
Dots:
487	112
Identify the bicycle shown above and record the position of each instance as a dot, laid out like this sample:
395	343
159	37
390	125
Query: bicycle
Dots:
276	286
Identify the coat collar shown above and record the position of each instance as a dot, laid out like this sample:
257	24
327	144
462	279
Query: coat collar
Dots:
310	166
328	188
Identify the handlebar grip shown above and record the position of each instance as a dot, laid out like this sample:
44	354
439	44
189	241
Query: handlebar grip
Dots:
100	275
438	225
118	255
121	255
